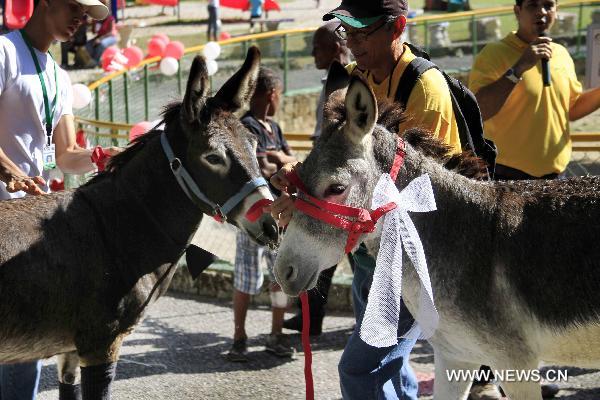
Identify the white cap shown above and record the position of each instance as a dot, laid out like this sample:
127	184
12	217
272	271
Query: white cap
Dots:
97	9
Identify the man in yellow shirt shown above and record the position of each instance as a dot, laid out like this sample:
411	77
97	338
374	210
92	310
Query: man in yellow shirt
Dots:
382	58
529	122
372	31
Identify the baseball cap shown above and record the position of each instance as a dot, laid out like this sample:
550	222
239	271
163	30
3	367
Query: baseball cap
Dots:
362	13
97	9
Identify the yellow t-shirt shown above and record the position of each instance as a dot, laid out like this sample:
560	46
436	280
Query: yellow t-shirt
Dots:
429	104
531	129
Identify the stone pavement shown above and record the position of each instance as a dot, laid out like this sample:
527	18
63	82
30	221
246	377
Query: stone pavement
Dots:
177	353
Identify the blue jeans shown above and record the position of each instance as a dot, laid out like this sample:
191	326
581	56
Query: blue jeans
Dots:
369	372
96	50
20	381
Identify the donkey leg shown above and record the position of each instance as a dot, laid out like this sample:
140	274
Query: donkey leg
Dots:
449	383
98	372
68	376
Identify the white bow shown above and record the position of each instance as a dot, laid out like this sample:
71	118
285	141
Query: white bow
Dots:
380	323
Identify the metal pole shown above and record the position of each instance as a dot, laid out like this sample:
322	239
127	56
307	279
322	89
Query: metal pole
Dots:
126	94
179	80
579	25
426	36
474	34
146	100
97	105
111	110
285	63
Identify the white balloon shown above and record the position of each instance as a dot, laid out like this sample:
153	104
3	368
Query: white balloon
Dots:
169	66
211	50
212	67
81	96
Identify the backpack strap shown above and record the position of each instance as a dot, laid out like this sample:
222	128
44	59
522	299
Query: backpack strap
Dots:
413	71
408	80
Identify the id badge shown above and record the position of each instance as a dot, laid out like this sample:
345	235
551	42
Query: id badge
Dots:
49	154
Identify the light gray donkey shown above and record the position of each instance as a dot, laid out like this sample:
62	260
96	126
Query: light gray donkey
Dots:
79	268
514	266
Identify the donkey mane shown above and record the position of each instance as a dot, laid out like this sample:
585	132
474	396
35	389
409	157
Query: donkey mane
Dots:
391	115
116	162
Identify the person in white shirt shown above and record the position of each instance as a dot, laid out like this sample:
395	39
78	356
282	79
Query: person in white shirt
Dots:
37	131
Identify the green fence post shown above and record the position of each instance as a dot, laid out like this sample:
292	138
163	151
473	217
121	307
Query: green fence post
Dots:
579	26
97	106
126	95
244	48
474	34
426	36
285	63
97	103
179	77
111	111
146	100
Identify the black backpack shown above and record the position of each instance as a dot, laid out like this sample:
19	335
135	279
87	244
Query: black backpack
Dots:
465	107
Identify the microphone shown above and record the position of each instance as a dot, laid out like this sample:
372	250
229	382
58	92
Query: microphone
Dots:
545	67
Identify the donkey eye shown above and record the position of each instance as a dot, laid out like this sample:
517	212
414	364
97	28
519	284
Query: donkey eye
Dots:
335	190
214	159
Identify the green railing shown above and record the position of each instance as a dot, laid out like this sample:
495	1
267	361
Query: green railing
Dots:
139	94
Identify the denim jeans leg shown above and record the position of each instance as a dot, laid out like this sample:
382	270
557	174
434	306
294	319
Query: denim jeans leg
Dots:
104	44
20	381
376	373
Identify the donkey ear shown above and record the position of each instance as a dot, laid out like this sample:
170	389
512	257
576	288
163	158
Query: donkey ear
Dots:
337	78
238	90
361	110
196	90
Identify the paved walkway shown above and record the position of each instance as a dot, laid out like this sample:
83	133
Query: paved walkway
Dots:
177	353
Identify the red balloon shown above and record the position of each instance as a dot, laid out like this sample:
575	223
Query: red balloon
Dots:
163	37
156	47
106	64
109	53
224	36
174	49
134	55
139	129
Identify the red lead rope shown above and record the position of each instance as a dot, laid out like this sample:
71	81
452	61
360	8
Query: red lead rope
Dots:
308	378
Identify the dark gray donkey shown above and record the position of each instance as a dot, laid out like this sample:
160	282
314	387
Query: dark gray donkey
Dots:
79	268
515	267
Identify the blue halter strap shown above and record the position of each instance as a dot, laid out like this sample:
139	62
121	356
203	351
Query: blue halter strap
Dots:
193	192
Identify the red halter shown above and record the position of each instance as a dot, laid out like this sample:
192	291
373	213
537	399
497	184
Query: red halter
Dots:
352	219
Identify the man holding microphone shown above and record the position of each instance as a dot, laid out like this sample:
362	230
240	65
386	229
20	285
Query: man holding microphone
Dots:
525	115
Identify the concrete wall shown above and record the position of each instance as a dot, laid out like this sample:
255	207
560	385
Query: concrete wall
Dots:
297	113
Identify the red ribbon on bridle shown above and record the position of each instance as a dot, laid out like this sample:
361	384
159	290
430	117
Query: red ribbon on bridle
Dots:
355	220
100	158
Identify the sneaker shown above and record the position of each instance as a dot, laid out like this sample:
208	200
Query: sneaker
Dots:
487	391
279	345
295	324
238	351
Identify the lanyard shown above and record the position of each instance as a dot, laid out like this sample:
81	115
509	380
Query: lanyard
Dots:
49	114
